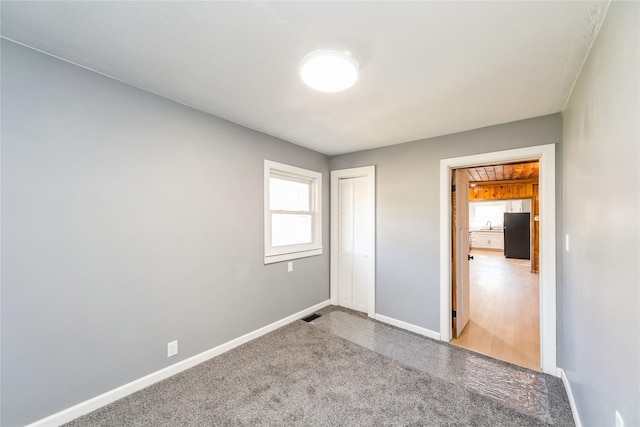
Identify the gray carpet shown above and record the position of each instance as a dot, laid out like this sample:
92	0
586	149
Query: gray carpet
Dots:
301	375
532	393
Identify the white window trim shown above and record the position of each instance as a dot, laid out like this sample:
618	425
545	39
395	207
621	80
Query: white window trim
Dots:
286	253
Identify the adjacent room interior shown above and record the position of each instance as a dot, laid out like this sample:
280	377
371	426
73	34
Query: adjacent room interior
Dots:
504	247
195	230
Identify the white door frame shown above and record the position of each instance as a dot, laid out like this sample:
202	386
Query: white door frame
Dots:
547	188
370	173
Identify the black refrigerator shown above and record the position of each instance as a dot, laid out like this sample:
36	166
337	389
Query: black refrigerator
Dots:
517	241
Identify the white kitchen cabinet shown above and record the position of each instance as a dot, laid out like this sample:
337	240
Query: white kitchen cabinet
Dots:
487	240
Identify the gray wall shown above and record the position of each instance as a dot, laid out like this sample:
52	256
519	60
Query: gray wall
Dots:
408	210
601	327
128	221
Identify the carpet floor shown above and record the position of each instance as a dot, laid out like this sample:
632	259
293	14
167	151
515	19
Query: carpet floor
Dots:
302	375
529	392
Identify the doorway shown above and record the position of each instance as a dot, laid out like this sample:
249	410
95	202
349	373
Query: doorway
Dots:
504	320
353	239
503	281
545	154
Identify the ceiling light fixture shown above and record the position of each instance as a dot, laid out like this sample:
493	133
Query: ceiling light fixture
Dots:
328	70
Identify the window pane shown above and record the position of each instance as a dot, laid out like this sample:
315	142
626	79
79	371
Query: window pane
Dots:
486	214
288	195
290	229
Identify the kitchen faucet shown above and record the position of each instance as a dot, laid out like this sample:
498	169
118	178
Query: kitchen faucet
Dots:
489	224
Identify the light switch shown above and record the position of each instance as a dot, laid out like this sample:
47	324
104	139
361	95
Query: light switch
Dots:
290	266
566	242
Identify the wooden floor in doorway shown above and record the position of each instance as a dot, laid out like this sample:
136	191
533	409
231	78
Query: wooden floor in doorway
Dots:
505	314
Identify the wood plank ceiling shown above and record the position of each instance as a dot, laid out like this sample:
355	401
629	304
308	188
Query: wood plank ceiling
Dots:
526	171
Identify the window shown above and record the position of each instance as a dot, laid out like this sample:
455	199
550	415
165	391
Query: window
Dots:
483	215
487	214
292	212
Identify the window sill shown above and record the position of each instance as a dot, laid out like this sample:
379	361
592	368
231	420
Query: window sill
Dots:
293	255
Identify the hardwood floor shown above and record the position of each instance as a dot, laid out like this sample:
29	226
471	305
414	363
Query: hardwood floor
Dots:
505	315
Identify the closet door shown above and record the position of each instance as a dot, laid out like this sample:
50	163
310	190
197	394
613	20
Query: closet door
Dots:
353	260
355	243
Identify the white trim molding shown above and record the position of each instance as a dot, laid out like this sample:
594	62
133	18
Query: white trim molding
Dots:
336	175
547	191
313	180
572	403
408	326
104	399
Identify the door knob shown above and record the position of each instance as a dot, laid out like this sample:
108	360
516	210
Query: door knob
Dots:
469	257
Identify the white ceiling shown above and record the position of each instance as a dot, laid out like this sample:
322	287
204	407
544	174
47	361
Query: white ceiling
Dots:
427	68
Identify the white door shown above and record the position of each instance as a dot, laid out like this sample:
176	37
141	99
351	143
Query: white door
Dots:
353	239
462	300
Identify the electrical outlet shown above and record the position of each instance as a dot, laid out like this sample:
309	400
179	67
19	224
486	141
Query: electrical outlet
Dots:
172	348
290	266
619	420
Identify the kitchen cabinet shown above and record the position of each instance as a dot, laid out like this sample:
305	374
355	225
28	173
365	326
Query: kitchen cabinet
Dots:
487	240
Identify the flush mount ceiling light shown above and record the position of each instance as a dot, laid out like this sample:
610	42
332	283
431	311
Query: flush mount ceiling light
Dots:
328	70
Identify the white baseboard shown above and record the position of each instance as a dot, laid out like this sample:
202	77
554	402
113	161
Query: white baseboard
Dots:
572	402
92	404
408	326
